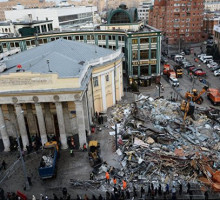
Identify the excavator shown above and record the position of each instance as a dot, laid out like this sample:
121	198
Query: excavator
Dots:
195	96
188	108
94	151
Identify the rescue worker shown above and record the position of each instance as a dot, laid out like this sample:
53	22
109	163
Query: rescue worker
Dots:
84	147
92	176
107	177
124	184
72	146
114	181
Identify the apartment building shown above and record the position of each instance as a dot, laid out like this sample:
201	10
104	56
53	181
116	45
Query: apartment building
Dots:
212	5
210	20
143	10
179	20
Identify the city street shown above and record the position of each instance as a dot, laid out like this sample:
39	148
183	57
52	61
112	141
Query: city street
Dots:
187	83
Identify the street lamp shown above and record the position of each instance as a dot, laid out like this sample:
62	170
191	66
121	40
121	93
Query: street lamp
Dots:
21	156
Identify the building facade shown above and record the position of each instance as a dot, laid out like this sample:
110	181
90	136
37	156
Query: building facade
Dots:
217	36
141	48
179	20
143	10
212	5
61	17
53	91
209	21
25	28
9	5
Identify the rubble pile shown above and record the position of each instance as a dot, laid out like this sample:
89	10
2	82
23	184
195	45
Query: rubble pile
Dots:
158	146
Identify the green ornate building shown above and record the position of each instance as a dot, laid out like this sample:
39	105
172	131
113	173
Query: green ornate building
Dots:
141	44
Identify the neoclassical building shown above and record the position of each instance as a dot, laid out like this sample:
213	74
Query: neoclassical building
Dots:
55	89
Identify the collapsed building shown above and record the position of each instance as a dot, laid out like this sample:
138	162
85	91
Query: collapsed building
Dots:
158	146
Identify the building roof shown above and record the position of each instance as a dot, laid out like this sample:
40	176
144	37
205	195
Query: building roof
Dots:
31	22
64	57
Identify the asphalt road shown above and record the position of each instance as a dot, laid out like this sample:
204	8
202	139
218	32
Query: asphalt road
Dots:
187	83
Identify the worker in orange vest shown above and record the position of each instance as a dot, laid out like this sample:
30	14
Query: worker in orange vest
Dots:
124	184
107	177
114	181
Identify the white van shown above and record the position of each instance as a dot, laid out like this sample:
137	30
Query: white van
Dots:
174	82
204	59
178	57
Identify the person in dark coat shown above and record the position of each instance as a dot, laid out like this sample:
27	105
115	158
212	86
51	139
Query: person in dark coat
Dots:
4	164
180	189
78	197
93	197
100	197
206	195
55	197
142	191
128	194
107	195
160	190
149	191
134	192
188	188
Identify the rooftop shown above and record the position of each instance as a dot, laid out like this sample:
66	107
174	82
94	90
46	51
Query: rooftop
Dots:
64	57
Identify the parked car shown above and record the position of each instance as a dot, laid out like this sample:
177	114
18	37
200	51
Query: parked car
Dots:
201	55
187	51
211	65
188	65
217	72
215	68
198	72
163	60
174	81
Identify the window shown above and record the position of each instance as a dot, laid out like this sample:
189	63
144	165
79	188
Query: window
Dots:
143	70
134	41
153	40
95	82
144	40
153	53
153	69
144	54
135	54
107	78
135	70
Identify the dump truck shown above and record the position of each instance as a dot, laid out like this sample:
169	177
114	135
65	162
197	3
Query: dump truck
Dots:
166	68
179	71
94	151
47	168
214	96
195	96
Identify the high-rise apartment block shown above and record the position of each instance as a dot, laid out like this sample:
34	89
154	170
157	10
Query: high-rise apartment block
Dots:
179	20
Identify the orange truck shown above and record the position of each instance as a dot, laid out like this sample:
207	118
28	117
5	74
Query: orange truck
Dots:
214	96
166	68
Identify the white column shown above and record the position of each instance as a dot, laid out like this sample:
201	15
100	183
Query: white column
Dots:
80	117
3	131
61	123
113	86
119	81
103	92
41	123
22	127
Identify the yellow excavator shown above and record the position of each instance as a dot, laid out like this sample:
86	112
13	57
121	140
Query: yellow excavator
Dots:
188	108
195	96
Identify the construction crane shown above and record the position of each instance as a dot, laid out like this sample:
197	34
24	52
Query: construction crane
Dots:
195	96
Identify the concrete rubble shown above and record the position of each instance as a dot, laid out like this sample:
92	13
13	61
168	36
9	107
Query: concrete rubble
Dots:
157	147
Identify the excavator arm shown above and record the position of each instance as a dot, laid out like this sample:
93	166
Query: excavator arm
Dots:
204	89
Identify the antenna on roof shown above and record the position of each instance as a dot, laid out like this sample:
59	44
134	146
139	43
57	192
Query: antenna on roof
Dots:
48	64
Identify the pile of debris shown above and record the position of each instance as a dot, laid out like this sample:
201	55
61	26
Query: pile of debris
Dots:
159	147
